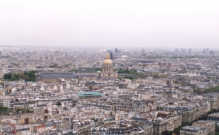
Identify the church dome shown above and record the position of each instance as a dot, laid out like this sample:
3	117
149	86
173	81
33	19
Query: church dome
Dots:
107	60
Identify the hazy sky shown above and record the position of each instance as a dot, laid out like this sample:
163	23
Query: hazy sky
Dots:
110	23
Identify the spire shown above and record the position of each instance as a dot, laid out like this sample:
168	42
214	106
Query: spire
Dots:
107	60
107	56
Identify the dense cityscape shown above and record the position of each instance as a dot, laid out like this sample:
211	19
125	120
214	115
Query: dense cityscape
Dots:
82	91
109	67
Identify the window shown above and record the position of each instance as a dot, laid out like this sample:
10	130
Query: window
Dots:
108	74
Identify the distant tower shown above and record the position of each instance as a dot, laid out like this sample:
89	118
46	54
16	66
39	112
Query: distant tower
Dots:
183	50
116	50
111	55
190	50
176	50
212	52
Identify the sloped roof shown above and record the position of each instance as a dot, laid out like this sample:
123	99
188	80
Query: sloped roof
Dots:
49	75
90	94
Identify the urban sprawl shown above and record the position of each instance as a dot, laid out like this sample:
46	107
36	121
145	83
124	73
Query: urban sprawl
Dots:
71	91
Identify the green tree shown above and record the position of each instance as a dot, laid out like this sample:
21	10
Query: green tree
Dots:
167	133
98	69
17	76
59	103
27	76
3	110
7	76
29	111
213	89
18	110
30	74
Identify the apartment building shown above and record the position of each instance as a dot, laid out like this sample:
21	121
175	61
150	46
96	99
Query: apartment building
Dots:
209	125
190	130
166	122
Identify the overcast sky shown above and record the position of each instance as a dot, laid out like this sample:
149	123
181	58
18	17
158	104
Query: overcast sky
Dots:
110	23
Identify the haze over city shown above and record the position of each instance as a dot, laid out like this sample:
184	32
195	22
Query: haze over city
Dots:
97	23
118	67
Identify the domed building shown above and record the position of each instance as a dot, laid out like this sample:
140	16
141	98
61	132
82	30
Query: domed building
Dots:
107	72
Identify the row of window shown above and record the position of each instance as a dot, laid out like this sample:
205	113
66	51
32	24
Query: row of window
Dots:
108	69
106	75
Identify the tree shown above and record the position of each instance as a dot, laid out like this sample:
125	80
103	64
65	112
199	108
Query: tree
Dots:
18	110
7	76
217	133
30	74
3	110
27	76
17	76
98	69
167	133
29	111
59	103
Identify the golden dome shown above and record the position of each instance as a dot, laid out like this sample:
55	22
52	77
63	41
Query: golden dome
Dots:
107	60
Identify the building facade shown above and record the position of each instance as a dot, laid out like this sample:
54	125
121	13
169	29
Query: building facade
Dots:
190	130
209	125
108	72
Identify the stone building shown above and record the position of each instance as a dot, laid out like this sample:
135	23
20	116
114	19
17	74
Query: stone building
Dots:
190	130
190	112
209	125
108	72
24	120
213	117
135	105
166	122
